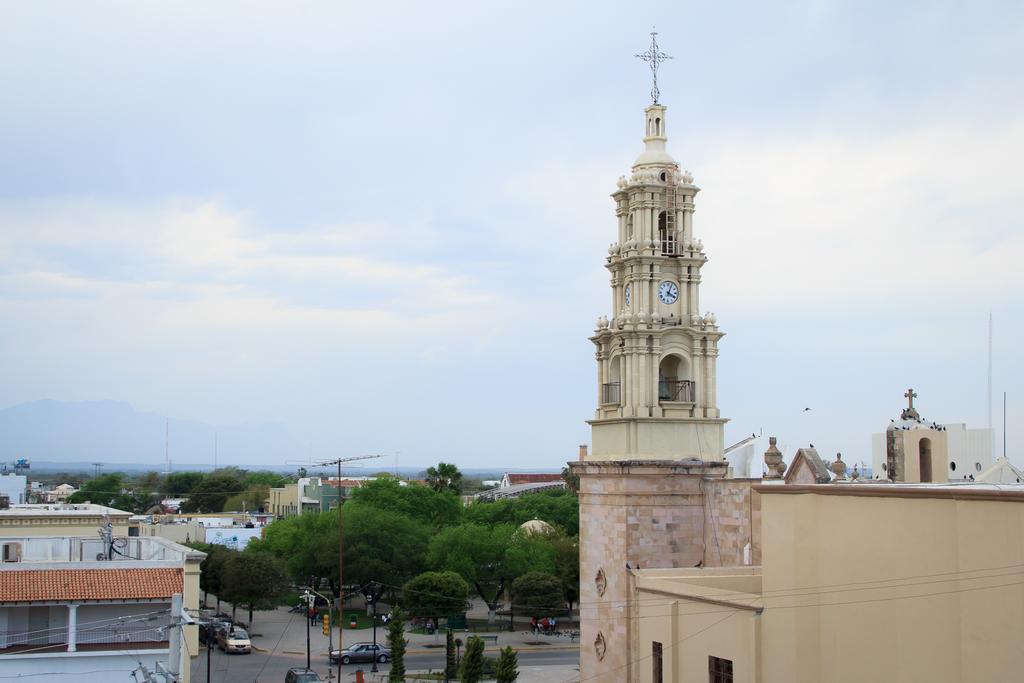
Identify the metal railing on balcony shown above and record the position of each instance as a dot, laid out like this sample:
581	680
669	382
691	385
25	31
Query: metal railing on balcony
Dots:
675	390
610	392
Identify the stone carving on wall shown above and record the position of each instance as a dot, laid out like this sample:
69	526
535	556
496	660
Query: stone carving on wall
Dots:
600	647
600	581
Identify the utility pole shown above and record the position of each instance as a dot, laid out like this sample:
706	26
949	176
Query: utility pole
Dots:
341	545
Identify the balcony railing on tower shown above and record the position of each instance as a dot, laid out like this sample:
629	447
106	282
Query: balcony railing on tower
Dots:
675	390
610	392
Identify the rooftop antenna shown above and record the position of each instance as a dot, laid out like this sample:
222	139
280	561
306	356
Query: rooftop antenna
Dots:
97	468
988	396
167	444
341	544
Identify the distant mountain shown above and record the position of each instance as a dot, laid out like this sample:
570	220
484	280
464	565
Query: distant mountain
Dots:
114	432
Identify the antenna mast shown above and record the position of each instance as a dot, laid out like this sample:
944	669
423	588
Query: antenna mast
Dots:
167	443
341	589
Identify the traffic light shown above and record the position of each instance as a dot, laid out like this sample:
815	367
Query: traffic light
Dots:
327	623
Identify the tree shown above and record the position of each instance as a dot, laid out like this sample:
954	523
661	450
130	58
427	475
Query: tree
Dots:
477	553
210	494
249	500
435	595
182	483
508	666
473	661
538	594
396	638
558	507
417	502
445	477
211	577
110	490
451	664
572	481
254	579
567	566
264	479
380	546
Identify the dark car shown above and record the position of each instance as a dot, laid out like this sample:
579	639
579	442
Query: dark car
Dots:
301	675
361	652
206	632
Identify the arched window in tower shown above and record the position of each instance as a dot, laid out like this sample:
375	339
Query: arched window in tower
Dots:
673	380
657	126
611	389
924	453
629	227
666	236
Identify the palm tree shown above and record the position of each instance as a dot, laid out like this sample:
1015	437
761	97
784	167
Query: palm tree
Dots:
445	477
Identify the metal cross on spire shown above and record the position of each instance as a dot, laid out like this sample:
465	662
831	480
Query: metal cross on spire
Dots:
654	56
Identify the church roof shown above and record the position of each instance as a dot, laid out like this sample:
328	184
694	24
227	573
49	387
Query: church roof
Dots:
1002	471
809	457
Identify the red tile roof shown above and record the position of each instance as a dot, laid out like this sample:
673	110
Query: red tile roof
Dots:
89	584
514	479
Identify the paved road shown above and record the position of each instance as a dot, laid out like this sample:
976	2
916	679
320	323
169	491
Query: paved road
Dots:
262	667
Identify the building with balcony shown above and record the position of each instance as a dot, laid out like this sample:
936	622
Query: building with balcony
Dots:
94	607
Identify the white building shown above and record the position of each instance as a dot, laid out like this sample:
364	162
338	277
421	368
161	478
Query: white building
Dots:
66	611
13	487
961	453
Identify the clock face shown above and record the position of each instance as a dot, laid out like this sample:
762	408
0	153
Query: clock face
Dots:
668	292
627	293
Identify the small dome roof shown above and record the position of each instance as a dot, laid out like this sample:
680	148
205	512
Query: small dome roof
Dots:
536	526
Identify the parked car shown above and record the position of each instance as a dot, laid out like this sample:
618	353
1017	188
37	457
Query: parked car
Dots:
301	675
361	652
234	640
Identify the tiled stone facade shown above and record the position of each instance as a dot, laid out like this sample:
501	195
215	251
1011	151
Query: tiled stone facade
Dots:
650	514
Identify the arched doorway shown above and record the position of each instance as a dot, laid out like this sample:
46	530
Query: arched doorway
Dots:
924	455
674	379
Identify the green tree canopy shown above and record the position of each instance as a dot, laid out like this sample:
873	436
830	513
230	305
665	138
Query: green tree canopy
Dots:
435	595
474	551
557	507
210	494
446	477
307	543
380	545
182	483
264	479
538	594
567	566
254	579
249	500
111	490
414	501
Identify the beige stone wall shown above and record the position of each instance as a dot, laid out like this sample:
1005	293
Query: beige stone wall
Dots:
732	520
926	588
650	515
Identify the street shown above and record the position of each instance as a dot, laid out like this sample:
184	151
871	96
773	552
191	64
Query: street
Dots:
279	643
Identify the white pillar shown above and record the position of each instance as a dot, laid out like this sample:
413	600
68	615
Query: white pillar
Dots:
72	627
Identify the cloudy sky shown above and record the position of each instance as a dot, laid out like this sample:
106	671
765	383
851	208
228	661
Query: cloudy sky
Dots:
383	225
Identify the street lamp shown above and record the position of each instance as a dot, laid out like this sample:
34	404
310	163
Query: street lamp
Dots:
330	648
371	597
309	610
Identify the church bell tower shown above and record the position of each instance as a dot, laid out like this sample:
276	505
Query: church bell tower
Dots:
656	354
